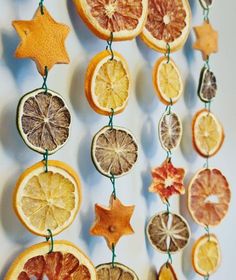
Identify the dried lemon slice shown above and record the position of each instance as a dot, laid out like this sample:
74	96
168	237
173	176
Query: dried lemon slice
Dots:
207	85
167	272
168	232
167	81
43	120
107	83
114	151
206	255
65	262
119	272
208	134
47	200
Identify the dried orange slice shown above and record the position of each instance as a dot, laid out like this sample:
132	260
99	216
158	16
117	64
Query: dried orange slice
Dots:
207	85
167	81
43	120
208	133
107	83
167	272
65	262
168	21
206	255
168	232
208	197
170	131
125	19
114	151
118	272
47	200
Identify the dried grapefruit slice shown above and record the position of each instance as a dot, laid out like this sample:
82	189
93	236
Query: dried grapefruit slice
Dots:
167	272
167	81
125	19
206	4
208	197
107	83
118	272
47	200
65	262
168	21
206	255
207	85
170	131
43	120
168	232
114	151
208	133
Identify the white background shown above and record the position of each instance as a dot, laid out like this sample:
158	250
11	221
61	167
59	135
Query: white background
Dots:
141	116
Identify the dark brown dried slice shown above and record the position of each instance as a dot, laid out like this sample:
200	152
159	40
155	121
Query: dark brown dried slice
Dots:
170	131
43	120
168	232
118	272
114	151
206	3
207	85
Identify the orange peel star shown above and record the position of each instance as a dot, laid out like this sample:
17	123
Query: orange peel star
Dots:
112	222
207	39
167	180
42	40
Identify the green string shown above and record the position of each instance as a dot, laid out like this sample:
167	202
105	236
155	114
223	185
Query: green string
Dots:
206	164
169	259
207	63
207	277
111	118
113	182
168	155
45	77
109	46
41	7
167	54
51	241
208	232
45	159
113	255
208	106
167	203
169	107
206	13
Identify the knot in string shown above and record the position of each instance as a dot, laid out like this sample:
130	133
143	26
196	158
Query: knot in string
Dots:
51	241
41	7
113	255
111	118
113	182
109	46
45	159
167	54
45	76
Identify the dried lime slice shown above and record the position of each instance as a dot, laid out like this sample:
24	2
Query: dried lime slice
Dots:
207	85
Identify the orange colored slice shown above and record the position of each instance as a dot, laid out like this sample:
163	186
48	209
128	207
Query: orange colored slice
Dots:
118	272
167	81
167	272
208	197
206	255
65	262
124	18
208	133
47	200
168	21
107	83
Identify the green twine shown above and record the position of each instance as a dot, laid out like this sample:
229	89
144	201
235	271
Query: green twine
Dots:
207	63
111	118
206	13
208	232
167	54
206	165
169	107
45	77
41	7
206	277
113	182
109	46
51	241
168	155
113	255
45	159
167	203
169	259
208	106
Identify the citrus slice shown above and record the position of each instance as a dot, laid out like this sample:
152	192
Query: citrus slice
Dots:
168	21
170	131
207	85
118	272
208	134
125	19
206	255
43	120
206	4
168	232
167	81
65	262
107	83
47	200
114	151
167	272
208	197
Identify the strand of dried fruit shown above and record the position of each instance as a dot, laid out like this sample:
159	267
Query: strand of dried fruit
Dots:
208	193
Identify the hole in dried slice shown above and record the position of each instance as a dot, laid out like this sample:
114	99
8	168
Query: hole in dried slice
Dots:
168	21
65	262
167	81
206	255
43	120
107	83
206	3
114	151
168	232
208	197
47	200
167	272
119	272
207	85
170	131
124	18
208	133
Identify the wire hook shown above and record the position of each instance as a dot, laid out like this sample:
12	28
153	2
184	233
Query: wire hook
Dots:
109	45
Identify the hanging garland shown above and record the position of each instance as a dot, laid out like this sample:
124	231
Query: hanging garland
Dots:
209	193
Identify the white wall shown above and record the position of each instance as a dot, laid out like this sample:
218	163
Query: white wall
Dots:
141	116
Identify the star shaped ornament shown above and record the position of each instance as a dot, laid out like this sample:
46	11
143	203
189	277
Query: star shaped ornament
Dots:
43	40
207	39
112	222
